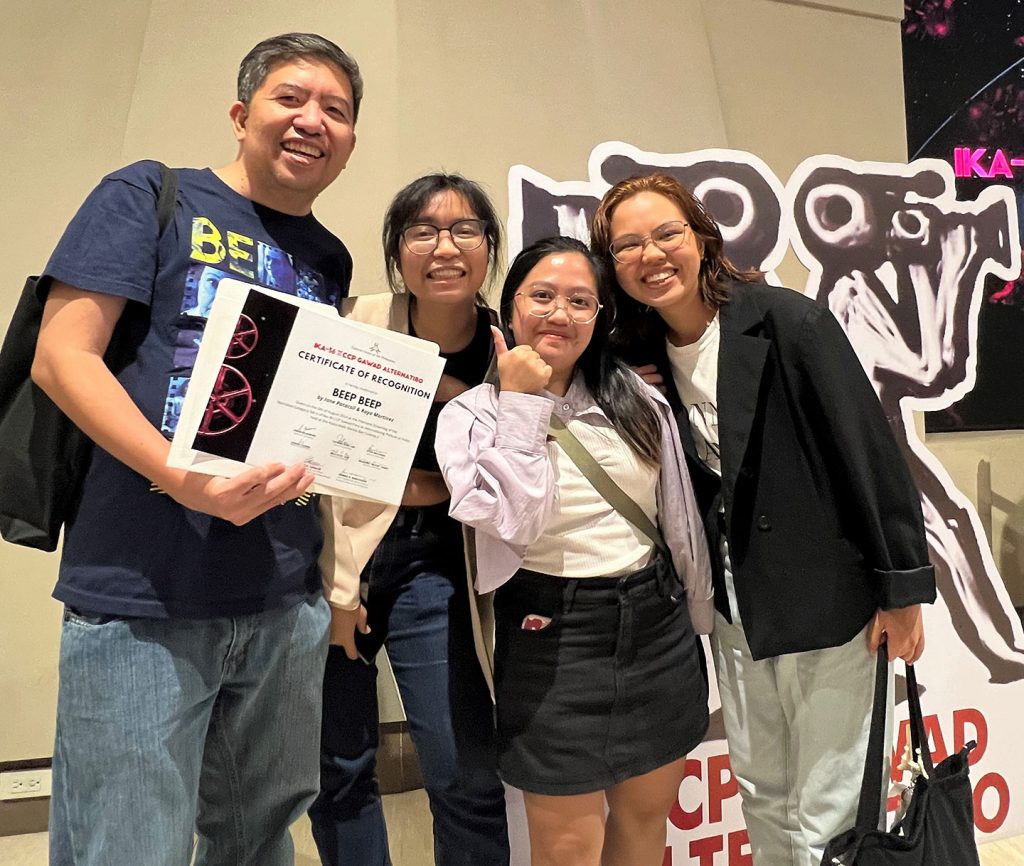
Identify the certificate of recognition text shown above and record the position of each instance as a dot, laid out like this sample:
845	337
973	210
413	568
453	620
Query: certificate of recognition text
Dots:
280	379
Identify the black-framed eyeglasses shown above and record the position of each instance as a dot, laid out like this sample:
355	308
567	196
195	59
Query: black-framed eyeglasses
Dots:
666	237
542	302
423	238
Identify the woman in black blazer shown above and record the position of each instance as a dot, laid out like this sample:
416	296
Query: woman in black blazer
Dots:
805	496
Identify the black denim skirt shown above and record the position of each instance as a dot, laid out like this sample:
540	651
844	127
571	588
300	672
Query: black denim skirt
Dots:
597	680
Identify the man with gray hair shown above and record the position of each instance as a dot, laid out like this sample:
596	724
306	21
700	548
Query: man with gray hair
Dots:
195	628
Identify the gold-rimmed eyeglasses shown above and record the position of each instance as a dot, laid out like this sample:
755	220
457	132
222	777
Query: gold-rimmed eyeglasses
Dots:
666	237
542	302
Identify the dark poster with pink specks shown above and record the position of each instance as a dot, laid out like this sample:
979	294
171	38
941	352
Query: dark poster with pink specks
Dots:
963	70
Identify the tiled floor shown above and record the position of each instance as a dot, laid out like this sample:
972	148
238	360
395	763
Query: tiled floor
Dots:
409	830
407	816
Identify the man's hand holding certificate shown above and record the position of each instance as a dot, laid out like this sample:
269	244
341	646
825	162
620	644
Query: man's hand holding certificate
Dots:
279	379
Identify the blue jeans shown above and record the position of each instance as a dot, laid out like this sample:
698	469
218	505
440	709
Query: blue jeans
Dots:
423	619
169	727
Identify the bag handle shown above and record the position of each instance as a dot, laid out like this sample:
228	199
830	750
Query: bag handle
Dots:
616	497
167	198
870	806
918	737
121	346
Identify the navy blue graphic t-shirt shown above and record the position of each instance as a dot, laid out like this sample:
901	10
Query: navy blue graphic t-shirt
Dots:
131	550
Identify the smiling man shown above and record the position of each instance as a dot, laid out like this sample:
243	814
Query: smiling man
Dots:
195	629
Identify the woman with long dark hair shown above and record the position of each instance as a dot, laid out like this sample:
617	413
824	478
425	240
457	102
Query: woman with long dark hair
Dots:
814	523
598	683
441	241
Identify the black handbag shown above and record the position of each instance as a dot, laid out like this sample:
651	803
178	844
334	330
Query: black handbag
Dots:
937	828
43	455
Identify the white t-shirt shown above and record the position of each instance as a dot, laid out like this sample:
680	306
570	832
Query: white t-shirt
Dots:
695	373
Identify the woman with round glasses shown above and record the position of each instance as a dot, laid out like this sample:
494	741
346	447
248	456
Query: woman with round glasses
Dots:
441	242
598	684
809	508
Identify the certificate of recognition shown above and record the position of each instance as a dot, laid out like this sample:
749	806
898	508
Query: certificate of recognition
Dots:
280	379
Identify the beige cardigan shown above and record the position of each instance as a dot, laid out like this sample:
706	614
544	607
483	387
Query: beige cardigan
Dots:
354	527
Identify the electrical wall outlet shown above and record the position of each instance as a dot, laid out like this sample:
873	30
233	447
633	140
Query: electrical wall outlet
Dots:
25	784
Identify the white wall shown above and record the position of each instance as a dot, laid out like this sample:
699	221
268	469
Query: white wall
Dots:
89	86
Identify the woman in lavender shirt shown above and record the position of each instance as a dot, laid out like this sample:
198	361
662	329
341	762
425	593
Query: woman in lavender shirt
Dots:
598	682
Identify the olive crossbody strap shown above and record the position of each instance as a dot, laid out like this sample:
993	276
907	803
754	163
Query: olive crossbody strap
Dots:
616	497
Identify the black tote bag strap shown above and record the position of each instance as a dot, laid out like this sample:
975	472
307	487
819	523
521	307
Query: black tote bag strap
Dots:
616	497
918	738
166	200
134	322
870	807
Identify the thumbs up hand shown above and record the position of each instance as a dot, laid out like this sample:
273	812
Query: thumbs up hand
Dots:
521	368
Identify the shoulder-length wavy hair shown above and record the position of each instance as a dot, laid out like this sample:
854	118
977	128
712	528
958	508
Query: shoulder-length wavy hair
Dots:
716	271
614	387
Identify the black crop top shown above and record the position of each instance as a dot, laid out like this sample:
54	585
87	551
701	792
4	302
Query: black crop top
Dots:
468	365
